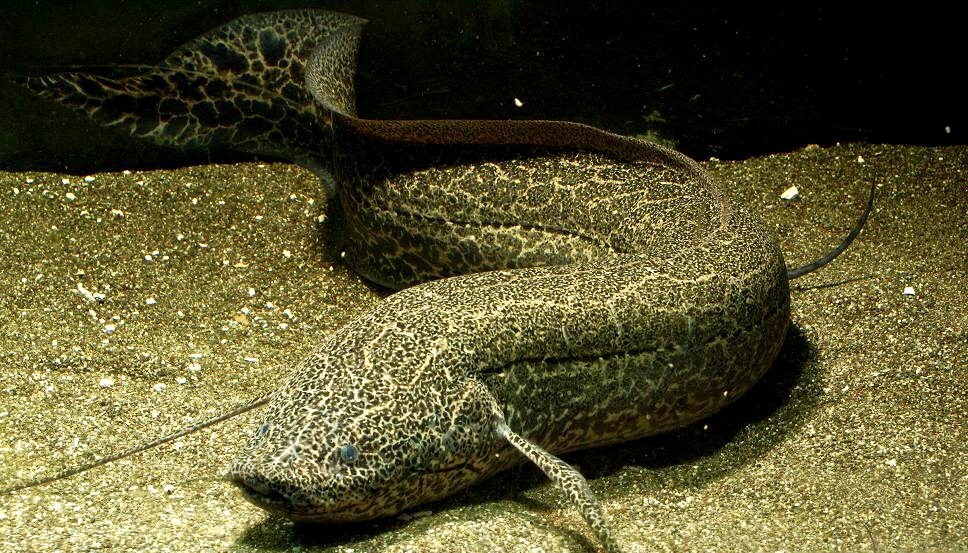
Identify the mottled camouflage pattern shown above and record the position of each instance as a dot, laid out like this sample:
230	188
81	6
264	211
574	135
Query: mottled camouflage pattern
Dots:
561	287
240	86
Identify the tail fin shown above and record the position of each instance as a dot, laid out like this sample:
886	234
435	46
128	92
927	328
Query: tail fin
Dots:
240	86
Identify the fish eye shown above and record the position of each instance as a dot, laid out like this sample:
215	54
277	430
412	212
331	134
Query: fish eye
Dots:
349	454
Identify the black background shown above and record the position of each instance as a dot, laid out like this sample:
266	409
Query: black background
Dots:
726	81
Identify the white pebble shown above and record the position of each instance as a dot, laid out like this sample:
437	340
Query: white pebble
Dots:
70	196
286	253
181	380
251	292
105	383
791	193
194	367
159	387
251	359
150	301
109	328
89	178
908	291
65	181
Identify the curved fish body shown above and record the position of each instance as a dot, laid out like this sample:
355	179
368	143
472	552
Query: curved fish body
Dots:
560	287
581	296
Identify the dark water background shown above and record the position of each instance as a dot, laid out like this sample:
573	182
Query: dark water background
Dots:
727	81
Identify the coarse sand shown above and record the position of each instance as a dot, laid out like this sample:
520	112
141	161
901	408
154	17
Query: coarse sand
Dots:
135	303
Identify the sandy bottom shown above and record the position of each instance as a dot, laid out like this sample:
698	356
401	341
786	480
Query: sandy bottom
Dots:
136	303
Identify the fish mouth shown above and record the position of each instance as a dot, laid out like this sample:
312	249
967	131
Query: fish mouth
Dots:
264	495
261	494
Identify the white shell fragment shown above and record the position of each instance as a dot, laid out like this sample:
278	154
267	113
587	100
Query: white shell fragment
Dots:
792	193
908	291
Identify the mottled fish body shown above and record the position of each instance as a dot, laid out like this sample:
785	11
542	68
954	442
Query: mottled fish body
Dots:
560	287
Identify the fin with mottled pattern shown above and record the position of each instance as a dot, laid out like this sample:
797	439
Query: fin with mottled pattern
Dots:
241	86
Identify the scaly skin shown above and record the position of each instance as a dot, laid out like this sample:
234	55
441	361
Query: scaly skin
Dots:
560	287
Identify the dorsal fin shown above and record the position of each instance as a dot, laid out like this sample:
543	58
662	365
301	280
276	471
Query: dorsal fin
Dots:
240	86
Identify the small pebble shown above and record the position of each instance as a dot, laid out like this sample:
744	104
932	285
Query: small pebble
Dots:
89	178
105	383
908	291
790	194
